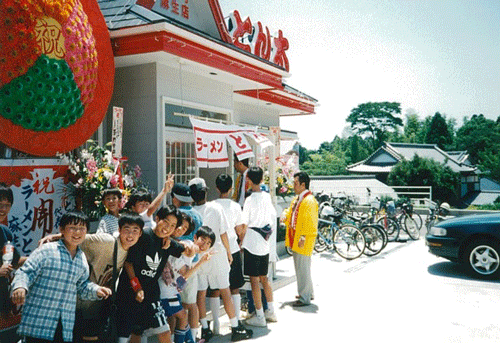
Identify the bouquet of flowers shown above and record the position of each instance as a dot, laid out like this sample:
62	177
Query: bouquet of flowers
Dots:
94	169
284	178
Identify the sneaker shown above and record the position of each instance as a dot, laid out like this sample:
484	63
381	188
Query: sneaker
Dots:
249	315
256	321
206	334
240	333
270	316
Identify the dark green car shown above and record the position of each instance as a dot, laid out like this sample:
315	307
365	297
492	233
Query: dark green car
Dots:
473	241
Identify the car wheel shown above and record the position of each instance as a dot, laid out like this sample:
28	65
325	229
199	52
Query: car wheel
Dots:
482	259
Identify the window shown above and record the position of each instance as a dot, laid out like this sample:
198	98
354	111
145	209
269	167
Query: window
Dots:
172	117
181	160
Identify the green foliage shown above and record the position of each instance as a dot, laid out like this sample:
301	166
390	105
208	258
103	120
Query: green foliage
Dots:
325	164
333	157
438	132
376	120
412	128
481	138
426	172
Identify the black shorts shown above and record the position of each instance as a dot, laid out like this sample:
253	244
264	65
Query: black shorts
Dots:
255	265
141	316
236	279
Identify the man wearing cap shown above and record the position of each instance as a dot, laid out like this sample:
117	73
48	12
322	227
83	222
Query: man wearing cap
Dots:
215	273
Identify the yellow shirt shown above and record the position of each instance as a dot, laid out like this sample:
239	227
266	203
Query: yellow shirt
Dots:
307	224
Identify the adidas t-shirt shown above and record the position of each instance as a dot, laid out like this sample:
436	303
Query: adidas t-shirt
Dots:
147	256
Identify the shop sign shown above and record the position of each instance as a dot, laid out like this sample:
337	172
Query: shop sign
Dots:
176	9
117	132
212	139
252	38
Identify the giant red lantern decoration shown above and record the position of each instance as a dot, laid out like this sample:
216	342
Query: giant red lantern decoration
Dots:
56	74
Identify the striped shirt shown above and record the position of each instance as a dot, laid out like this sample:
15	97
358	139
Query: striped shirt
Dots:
108	224
53	279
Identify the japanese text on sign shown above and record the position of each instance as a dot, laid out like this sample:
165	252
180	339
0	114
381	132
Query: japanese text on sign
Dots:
252	38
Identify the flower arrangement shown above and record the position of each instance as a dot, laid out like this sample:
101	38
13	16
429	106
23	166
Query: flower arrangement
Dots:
284	177
94	169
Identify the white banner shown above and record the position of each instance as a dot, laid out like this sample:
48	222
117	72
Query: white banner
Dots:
260	139
211	141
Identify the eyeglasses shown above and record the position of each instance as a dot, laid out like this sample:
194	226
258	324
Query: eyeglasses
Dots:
132	232
5	206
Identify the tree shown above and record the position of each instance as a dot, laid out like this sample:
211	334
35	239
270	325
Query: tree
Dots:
325	164
478	135
376	120
426	172
303	154
438	132
411	128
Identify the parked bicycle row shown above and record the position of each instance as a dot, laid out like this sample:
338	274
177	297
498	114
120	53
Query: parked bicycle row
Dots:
352	233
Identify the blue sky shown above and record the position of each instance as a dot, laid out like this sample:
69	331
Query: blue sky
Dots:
429	55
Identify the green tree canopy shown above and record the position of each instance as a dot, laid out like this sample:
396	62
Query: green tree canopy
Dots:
426	172
478	135
438	132
376	119
412	128
325	163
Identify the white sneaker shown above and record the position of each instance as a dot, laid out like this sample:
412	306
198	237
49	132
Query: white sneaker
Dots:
256	321
250	315
270	316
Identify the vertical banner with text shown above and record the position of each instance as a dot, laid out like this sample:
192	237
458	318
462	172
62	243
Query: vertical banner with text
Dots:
117	132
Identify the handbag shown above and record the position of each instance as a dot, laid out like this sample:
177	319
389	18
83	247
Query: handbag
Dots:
110	330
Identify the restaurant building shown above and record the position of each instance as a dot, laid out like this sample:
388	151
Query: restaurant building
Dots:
180	59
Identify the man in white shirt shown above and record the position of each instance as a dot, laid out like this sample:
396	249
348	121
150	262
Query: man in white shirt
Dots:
232	209
259	217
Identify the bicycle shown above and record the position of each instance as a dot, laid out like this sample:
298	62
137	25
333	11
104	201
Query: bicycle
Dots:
345	239
407	222
376	237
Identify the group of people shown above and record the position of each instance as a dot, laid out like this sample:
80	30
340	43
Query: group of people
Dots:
176	259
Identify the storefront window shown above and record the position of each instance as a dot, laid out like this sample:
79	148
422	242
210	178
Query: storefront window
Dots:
181	161
178	115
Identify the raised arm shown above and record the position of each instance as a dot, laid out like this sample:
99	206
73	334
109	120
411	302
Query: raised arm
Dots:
167	187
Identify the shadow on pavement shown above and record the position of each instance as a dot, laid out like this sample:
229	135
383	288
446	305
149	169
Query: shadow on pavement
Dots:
453	270
257	332
312	308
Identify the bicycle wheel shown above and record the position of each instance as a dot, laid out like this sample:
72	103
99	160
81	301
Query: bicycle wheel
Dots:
391	227
411	227
349	242
374	238
386	237
320	244
324	237
418	218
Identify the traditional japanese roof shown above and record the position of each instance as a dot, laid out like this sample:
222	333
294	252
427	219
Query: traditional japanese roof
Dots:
139	28
382	160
